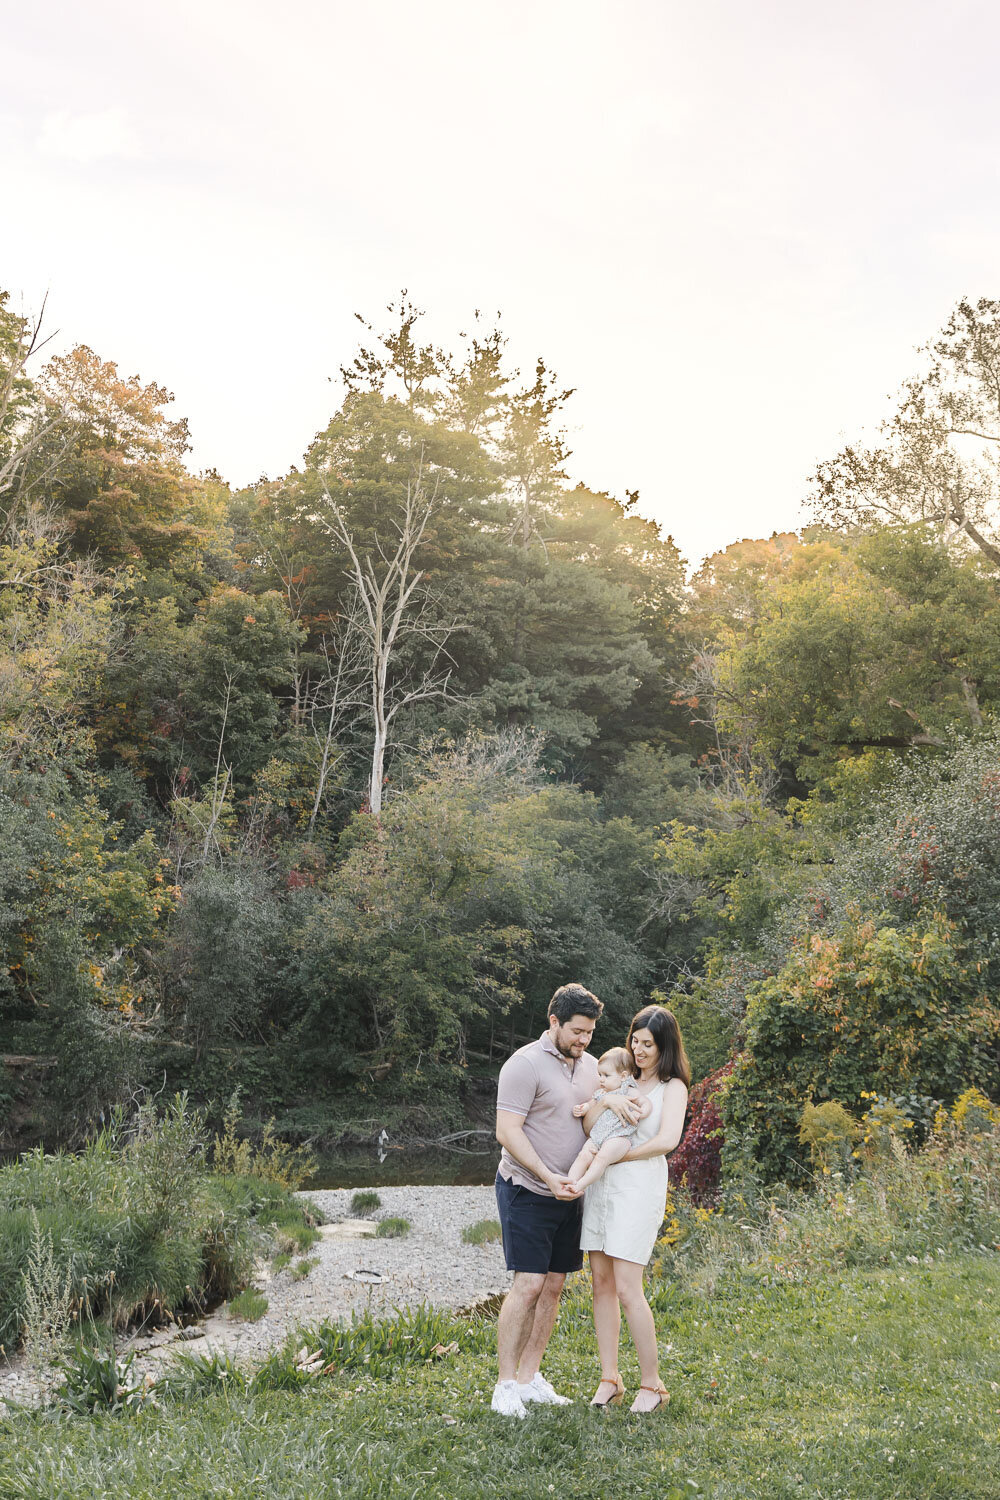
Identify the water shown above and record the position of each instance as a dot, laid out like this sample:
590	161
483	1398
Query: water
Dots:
354	1167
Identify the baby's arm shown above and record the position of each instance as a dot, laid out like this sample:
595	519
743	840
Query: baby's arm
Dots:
579	1110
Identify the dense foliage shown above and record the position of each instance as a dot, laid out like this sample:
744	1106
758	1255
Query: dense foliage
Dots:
321	787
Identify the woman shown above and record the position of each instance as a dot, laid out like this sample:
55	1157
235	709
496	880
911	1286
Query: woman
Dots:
623	1212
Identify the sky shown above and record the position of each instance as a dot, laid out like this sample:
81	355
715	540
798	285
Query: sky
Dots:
727	225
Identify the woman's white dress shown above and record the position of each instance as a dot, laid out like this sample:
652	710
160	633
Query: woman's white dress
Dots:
623	1211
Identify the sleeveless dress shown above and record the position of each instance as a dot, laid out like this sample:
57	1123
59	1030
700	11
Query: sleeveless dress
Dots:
623	1210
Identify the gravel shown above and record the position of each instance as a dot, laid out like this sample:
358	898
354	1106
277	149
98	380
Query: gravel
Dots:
430	1264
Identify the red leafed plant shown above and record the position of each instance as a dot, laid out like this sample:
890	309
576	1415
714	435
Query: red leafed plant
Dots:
697	1162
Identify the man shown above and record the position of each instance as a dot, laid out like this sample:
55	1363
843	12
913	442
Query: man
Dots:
540	1218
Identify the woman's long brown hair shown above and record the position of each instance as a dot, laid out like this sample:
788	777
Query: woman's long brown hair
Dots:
662	1026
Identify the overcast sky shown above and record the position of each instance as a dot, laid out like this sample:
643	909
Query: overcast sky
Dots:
727	224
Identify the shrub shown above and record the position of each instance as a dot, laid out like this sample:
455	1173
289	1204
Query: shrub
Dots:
301	1268
392	1229
483	1232
134	1224
98	1380
883	1008
272	1159
697	1162
379	1347
829	1132
893	1205
46	1297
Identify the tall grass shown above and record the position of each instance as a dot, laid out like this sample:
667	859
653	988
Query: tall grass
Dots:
891	1205
135	1226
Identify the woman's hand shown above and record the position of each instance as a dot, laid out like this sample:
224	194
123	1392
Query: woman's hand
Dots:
629	1111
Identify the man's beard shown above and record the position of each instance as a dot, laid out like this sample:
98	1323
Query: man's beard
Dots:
566	1051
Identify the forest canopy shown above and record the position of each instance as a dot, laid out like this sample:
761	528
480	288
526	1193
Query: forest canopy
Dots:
323	785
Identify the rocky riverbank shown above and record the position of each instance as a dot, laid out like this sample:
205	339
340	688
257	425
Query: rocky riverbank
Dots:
352	1272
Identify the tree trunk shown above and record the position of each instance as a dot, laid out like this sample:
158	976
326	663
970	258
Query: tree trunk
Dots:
972	702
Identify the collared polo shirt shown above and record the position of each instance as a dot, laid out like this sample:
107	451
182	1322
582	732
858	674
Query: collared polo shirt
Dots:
543	1086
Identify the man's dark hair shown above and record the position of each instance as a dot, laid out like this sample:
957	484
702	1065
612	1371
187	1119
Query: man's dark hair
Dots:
574	1000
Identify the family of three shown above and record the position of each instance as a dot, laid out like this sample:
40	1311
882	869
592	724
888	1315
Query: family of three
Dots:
584	1168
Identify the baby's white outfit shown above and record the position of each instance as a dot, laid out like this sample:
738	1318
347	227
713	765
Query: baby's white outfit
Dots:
608	1127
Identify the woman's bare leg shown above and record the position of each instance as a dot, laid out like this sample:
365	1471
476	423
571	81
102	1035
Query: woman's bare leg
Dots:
607	1317
628	1286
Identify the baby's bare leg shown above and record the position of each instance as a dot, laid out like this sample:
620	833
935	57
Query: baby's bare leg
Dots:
583	1161
606	1156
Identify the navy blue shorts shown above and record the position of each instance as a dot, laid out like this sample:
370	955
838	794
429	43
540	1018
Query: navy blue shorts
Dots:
540	1234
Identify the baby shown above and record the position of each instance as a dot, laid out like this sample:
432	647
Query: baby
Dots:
610	1139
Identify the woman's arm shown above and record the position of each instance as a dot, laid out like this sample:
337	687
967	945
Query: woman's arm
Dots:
667	1138
626	1109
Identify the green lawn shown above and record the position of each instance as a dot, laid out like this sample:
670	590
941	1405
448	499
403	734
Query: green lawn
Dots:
865	1385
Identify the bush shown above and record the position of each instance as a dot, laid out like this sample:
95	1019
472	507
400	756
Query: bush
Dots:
829	1132
697	1162
380	1347
133	1225
890	1009
272	1159
890	1205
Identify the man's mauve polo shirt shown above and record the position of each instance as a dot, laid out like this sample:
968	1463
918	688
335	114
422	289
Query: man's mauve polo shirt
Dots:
542	1085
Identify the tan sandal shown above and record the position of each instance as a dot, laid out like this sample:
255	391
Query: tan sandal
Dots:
658	1390
619	1385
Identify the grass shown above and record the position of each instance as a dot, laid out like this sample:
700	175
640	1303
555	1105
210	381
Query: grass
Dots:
248	1306
483	1232
301	1268
392	1229
134	1226
876	1385
365	1202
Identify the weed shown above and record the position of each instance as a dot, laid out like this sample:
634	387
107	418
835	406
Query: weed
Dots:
46	1297
248	1306
301	1268
392	1229
367	1201
483	1232
97	1380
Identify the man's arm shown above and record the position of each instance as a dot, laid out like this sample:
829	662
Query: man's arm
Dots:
510	1134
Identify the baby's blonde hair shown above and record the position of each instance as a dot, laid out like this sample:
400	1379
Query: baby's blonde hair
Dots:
620	1059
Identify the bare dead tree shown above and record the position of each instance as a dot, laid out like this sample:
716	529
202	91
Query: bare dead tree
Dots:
393	612
339	693
34	430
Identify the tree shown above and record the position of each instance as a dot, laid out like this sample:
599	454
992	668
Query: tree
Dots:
939	461
34	431
882	642
121	483
392	613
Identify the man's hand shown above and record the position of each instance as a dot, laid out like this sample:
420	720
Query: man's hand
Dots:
563	1188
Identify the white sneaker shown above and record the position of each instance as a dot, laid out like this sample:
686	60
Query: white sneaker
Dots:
538	1389
507	1400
